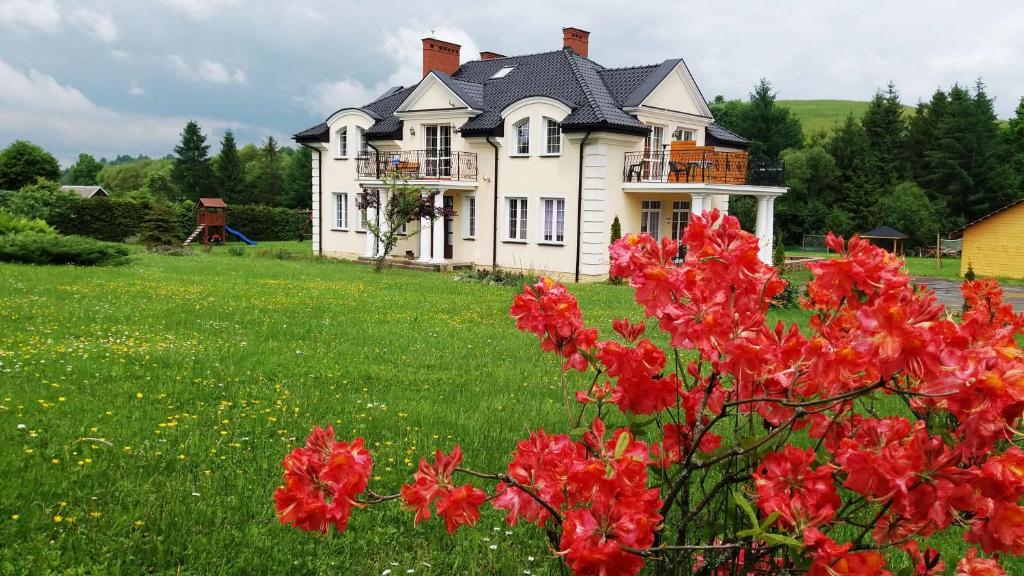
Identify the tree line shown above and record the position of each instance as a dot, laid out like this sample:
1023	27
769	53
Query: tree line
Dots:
268	174
926	170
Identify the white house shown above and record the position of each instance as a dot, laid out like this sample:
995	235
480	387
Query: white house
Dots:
537	154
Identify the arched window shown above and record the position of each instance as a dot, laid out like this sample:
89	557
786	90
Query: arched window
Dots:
342	134
523	137
552	136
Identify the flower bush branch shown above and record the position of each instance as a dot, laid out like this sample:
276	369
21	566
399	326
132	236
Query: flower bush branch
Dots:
757	447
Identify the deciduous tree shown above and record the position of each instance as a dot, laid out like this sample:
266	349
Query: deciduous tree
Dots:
22	163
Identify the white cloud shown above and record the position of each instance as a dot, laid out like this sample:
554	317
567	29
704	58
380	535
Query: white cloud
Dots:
35	106
119	54
134	89
207	71
201	9
41	15
405	51
98	23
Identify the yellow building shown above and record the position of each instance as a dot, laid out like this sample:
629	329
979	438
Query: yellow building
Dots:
994	244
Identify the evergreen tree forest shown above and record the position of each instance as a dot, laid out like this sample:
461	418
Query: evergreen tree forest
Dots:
925	171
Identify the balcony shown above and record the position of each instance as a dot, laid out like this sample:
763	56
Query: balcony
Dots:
689	164
418	165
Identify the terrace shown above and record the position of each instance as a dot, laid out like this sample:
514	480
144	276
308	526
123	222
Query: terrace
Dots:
687	163
429	164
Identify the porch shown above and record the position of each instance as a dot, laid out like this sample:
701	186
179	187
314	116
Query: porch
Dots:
430	165
428	244
664	209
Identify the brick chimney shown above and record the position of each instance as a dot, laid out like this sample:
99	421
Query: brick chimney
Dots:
576	40
486	55
440	55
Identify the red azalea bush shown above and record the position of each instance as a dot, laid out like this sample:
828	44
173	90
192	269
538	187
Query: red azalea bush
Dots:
744	448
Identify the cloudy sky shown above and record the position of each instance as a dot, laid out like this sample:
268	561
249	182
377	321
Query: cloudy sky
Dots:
122	76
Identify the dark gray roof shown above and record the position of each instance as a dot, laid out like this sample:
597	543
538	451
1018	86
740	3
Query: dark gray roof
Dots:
595	95
716	135
885	232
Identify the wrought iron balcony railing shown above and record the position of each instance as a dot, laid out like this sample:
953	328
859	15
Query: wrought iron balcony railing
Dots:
702	166
418	165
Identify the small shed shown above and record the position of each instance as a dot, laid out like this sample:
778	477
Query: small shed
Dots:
87	191
211	220
887	236
994	243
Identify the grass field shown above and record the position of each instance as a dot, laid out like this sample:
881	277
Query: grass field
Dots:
821	115
915	266
146	408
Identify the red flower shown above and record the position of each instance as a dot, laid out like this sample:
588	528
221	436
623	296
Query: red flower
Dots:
321	482
629	332
971	565
831	559
460	506
548	310
542	464
640	388
803	497
433	481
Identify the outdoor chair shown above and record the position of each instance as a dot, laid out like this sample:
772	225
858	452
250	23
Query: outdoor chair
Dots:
634	169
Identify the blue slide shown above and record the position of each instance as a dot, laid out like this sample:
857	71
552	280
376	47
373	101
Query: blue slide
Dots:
240	235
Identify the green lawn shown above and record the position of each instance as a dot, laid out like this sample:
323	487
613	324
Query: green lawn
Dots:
146	408
915	266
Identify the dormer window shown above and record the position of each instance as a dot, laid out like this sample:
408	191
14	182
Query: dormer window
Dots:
342	135
503	72
523	137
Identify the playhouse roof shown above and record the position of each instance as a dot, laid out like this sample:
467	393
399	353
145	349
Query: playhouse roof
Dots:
212	203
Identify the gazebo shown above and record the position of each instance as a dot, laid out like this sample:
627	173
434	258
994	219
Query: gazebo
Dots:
887	234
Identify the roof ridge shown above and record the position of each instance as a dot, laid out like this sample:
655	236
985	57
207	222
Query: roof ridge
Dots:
515	56
630	67
585	85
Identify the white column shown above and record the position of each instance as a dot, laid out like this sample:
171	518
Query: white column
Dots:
371	240
763	229
383	222
696	203
425	239
438	228
725	204
770	227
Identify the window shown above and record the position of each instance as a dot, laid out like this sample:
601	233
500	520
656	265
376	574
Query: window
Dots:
680	218
342	134
341	210
554	137
517	219
362	220
654	140
682	134
364	145
523	137
404	229
554	220
503	72
469	217
650	217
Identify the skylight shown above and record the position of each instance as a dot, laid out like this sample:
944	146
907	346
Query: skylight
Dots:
503	72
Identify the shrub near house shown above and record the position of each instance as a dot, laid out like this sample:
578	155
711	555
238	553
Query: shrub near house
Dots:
712	471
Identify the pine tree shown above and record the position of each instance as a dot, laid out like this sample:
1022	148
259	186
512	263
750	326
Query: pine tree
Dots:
230	172
885	127
770	128
860	180
1013	138
192	174
616	229
160	226
268	184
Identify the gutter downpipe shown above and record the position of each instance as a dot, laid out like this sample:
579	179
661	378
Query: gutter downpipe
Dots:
319	198
494	238
579	207
376	153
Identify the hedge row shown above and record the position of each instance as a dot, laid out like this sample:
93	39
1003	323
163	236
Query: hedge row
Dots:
117	219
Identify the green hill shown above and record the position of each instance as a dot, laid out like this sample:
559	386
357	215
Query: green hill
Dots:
822	115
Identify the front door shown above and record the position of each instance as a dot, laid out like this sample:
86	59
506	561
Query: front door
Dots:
680	219
449	226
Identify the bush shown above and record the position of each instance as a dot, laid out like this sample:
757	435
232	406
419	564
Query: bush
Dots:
43	248
43	200
236	250
160	228
499	276
265	222
10	224
110	219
